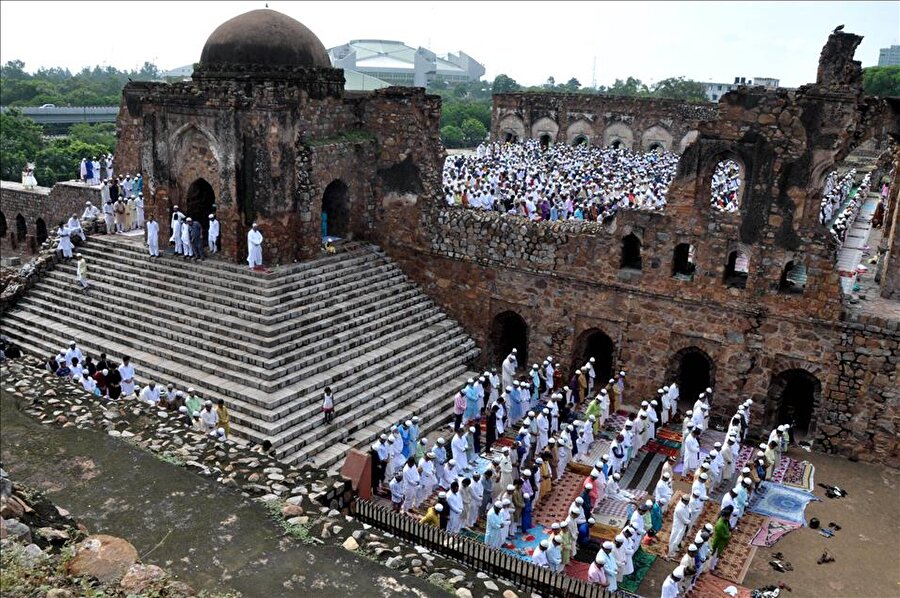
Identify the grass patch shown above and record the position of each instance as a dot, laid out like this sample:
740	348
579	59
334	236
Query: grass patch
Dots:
353	136
301	533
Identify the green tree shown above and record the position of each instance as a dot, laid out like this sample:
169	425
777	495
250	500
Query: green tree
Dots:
452	136
551	82
473	132
503	84
572	85
630	87
103	134
883	81
679	88
20	142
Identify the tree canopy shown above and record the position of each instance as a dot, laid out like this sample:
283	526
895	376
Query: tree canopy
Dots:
883	81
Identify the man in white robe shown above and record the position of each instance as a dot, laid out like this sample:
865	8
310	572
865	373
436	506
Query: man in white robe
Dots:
73	351
691	452
509	369
150	394
90	212
411	480
139	210
213	235
254	247
186	246
126	371
109	217
458	447
663	491
153	237
74	226
681	521
177	225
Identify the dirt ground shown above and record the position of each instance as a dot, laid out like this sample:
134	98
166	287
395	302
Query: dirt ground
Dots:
866	550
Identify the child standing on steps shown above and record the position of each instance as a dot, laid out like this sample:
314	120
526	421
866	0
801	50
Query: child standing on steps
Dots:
81	273
328	405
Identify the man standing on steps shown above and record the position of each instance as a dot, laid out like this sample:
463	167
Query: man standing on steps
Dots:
186	246
81	272
126	371
197	240
177	217
153	236
213	234
254	247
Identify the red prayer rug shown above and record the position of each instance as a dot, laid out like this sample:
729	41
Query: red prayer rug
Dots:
555	507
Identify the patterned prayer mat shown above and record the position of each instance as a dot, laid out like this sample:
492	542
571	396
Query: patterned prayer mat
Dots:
611	510
642	563
644	471
521	546
598	449
781	469
744	456
782	502
669	448
735	560
773	530
579	468
669	434
555	507
712	586
800	474
577	569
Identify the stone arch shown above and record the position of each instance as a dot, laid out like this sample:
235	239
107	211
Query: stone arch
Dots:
509	331
657	135
631	252
336	210
695	371
21	228
40	228
595	343
793	276
545	126
683	265
688	139
184	132
793	398
618	135
3	225
726	169
200	202
737	267
511	129
580	129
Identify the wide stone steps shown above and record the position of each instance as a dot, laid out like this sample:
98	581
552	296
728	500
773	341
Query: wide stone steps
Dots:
361	314
266	343
235	303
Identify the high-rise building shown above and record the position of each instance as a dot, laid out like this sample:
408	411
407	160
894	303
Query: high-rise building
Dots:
889	56
714	91
398	64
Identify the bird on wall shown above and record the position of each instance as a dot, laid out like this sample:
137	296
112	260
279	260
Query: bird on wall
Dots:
838	28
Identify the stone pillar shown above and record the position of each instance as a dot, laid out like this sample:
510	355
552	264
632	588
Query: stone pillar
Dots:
890	277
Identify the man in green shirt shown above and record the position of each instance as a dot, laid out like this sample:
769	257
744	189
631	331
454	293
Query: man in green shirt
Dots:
721	535
193	402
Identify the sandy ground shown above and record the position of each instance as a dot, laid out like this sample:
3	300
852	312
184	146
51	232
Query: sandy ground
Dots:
866	550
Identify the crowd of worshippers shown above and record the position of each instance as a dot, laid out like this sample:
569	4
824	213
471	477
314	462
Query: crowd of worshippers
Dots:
835	194
111	381
726	186
847	216
92	171
558	182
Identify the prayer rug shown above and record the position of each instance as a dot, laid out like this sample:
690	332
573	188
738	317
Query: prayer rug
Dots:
644	470
603	532
782	502
735	560
642	562
522	545
773	530
616	421
744	456
709	438
577	569
599	448
712	586
663	448
555	507
800	475
588	552
780	469
579	468
669	434
614	512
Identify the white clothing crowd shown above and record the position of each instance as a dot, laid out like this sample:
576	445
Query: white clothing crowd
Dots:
726	186
558	182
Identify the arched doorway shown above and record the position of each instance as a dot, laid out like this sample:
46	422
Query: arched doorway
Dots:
631	252
694	371
40	230
580	140
545	140
792	399
21	228
793	278
336	210
683	262
3	227
616	144
508	331
200	202
655	147
510	137
595	343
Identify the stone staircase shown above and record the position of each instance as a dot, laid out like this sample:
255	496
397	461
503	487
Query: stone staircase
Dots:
266	343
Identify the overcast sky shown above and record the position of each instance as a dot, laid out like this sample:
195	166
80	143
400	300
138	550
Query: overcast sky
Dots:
529	41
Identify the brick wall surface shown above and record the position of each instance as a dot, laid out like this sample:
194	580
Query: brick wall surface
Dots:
50	206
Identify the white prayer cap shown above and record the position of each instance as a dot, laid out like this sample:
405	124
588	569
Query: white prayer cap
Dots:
545	544
592	418
678	572
182	409
481	378
407	422
442	495
660	391
589	486
604	457
620	538
438	508
666	475
705	465
546	411
552	441
622	373
740	410
472	429
254	225
554	526
221	431
608	545
645	404
709	391
506	502
579	500
702	394
515	350
105	372
714	453
648	503
208	403
654	402
600	558
212	216
604	392
515	383
689	412
730	440
704	476
383	437
534	367
665	388
509	389
574	510
708	527
592	360
531	414
510	487
565	388
539	461
470	381
191	389
718	445
612	380
629	424
70	344
526	472
692	548
415	418
196	414
549	358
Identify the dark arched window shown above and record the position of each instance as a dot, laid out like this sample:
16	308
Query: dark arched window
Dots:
631	252
683	262
793	278
737	270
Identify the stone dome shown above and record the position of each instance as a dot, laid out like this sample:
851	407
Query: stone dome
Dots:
264	37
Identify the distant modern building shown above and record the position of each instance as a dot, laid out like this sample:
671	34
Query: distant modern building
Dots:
714	91
398	64
889	56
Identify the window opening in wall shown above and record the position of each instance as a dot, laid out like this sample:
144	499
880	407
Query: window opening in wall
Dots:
726	186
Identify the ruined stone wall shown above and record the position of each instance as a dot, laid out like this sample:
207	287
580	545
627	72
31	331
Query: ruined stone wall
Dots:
890	273
601	120
52	206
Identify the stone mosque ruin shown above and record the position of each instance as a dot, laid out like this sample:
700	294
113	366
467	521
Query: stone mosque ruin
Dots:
422	294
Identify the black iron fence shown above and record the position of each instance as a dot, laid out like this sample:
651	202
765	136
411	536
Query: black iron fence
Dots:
477	555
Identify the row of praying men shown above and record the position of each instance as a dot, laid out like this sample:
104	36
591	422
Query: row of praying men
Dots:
89	171
835	194
559	182
847	216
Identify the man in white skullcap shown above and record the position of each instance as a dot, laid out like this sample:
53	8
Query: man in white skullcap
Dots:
509	368
494	526
458	446
663	491
681	522
620	553
652	418
455	502
428	476
670	587
597	570
213	234
612	570
539	556
691	452
150	394
591	374
254	247
543	428
73	352
186	246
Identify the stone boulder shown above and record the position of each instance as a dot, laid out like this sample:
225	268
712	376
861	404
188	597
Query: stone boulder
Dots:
106	558
140	577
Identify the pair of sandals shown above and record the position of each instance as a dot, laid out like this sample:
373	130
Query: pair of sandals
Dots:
825	558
